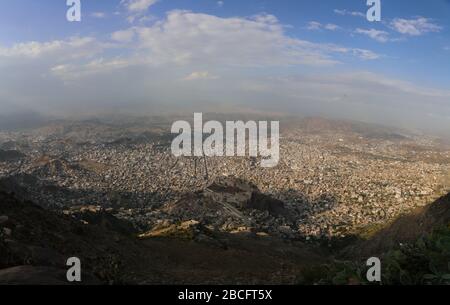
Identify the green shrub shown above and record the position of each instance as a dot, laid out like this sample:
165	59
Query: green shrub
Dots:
426	262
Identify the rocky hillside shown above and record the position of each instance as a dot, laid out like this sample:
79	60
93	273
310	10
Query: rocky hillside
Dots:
43	240
229	205
229	233
35	244
405	230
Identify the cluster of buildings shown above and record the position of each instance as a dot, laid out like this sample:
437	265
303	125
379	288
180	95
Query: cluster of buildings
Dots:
333	182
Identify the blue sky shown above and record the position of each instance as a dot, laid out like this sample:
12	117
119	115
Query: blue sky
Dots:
424	58
203	47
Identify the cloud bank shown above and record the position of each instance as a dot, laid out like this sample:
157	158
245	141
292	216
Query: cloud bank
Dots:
194	61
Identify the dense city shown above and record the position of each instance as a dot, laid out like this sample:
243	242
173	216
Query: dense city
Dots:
334	178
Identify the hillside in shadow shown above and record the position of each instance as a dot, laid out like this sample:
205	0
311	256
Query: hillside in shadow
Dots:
35	244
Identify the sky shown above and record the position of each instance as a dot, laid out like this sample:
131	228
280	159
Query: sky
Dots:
308	57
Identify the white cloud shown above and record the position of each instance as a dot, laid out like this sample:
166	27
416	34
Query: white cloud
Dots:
64	74
314	25
183	46
331	27
199	75
124	36
415	27
345	12
380	36
200	41
365	54
101	65
74	47
189	38
137	6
